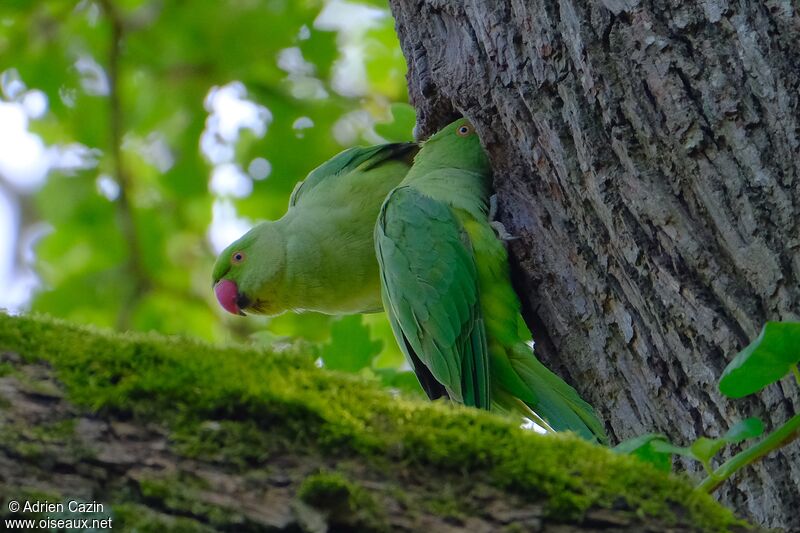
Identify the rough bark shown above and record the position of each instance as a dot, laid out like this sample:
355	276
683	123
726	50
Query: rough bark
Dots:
647	155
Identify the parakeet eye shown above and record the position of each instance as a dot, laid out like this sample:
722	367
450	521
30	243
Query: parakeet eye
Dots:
465	129
237	257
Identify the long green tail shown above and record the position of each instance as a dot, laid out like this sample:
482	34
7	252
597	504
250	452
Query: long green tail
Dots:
547	395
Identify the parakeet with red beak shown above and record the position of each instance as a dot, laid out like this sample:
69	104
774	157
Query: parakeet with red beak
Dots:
320	255
441	272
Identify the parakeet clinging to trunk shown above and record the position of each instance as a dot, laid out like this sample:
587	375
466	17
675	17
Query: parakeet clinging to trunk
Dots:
320	255
446	289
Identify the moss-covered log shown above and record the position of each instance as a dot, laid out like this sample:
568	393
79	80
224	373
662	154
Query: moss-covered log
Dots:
170	434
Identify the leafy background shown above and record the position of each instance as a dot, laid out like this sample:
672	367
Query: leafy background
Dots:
139	137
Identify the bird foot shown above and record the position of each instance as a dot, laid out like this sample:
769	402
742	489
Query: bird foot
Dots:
492	206
501	232
497	226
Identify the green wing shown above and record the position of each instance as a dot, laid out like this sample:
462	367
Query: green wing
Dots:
430	292
357	158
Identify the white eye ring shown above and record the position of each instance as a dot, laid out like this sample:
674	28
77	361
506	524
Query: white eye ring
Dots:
464	130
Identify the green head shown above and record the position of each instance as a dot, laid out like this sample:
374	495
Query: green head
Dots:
248	272
456	145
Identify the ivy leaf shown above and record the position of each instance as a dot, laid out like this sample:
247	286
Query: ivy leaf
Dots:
704	448
672	449
645	447
766	360
351	347
748	428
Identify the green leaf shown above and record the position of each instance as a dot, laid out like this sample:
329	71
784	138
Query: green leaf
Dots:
633	444
351	347
314	327
644	447
748	428
766	360
401	128
672	449
405	381
380	329
704	448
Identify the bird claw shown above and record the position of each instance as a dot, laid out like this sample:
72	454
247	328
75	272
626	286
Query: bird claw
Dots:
501	232
492	206
497	226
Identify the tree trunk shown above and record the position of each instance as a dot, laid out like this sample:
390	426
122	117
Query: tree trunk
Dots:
646	154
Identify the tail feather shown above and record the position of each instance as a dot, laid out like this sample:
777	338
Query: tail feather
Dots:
552	398
509	405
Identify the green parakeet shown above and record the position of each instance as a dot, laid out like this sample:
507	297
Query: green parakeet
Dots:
320	255
446	289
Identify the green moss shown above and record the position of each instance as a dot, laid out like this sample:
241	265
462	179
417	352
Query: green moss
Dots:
344	502
39	387
34	442
182	495
282	398
329	489
25	494
134	517
241	443
445	504
55	431
30	451
6	369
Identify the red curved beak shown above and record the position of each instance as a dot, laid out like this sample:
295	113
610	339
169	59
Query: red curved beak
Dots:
228	295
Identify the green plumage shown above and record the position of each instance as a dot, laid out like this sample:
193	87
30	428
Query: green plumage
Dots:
443	275
446	289
320	255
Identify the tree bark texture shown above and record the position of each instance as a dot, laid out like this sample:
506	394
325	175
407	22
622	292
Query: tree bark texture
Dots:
647	156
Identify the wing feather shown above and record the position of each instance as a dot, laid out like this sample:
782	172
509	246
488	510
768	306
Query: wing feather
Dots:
357	158
430	291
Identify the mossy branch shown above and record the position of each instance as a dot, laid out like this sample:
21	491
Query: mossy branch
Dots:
174	434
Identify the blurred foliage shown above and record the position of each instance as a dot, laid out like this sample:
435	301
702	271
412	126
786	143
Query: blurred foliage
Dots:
131	82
